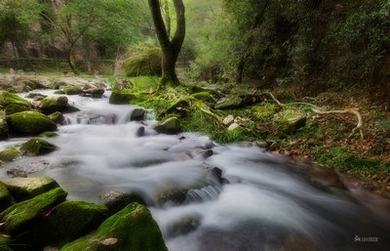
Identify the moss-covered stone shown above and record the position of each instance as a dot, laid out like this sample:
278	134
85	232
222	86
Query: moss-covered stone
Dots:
57	117
12	103
9	154
133	228
26	188
120	98
169	126
37	146
30	123
144	61
20	216
72	90
3	126
289	120
48	134
66	222
116	201
51	105
6	199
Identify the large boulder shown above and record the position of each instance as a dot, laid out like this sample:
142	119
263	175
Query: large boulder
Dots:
50	105
12	103
144	61
26	188
6	199
133	228
169	126
72	90
9	154
120	98
20	216
66	222
30	123
36	147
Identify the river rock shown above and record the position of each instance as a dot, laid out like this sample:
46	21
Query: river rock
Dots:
133	228
9	154
138	114
6	199
26	188
183	226
50	105
93	91
30	123
20	216
36	96
37	146
169	126
12	103
66	222
116	201
72	90
3	126
57	117
140	131
119	98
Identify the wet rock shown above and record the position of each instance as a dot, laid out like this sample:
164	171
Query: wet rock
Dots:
184	226
217	173
3	126
57	117
20	216
140	131
133	228
169	126
174	195
59	92
66	222
12	103
116	201
6	199
36	96
30	123
138	114
26	188
48	134
16	173
9	154
207	153
50	105
72	90
118	98
93	91
36	147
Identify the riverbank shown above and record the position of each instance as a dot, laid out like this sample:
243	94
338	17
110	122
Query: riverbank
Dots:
230	113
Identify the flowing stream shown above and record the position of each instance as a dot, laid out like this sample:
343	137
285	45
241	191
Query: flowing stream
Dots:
204	196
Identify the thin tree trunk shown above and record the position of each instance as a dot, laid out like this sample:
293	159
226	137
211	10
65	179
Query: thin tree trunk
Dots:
70	61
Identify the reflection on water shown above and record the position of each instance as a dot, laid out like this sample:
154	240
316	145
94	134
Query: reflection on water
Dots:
204	196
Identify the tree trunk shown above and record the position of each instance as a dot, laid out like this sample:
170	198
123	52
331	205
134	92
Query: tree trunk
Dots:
70	61
170	48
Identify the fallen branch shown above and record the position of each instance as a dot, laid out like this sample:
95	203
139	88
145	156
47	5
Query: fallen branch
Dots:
318	110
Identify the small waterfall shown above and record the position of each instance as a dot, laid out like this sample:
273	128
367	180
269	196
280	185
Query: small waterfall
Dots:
203	194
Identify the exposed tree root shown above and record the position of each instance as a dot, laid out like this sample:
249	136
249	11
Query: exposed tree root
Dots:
319	110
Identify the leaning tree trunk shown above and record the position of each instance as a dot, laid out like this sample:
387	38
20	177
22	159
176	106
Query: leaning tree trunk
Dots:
170	47
70	61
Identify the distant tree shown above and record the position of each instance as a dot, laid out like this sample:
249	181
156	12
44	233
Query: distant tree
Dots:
170	47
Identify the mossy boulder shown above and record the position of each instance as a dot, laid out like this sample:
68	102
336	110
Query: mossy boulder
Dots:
36	96
138	114
120	98
57	117
12	103
21	216
9	154
169	126
30	123
289	120
3	126
50	105
48	134
26	188
133	228
6	198
116	201
72	90
144	61
66	222
37	146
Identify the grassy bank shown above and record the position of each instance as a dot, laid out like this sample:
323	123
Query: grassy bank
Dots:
293	129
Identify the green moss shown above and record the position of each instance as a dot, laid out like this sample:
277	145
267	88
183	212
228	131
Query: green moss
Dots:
66	222
205	96
26	188
229	102
133	228
32	123
264	111
121	98
170	125
3	126
14	108
48	134
9	154
72	90
20	216
7	98
144	60
289	120
6	199
5	244
37	146
52	105
57	117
